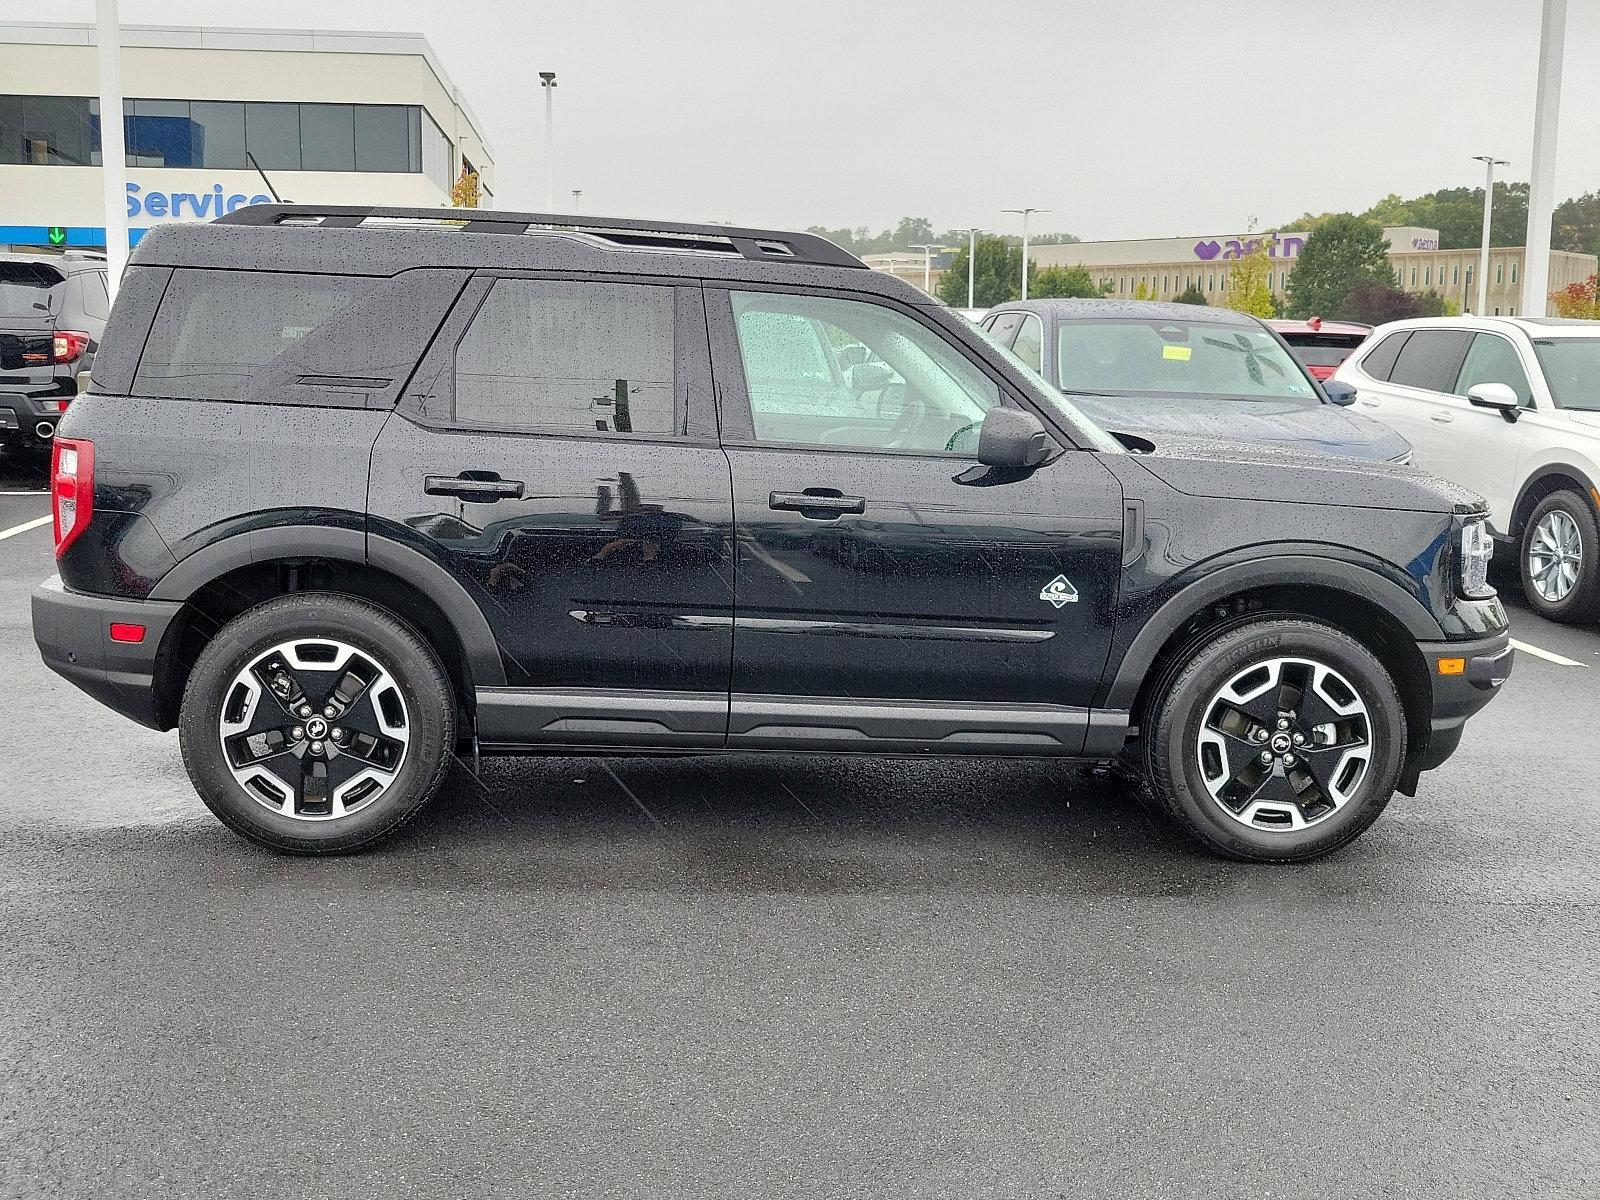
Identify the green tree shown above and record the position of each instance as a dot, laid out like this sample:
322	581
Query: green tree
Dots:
1344	252
1191	295
1053	283
997	275
1577	224
1248	288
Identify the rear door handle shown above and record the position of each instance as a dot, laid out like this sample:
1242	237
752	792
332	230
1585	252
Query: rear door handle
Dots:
817	503
485	488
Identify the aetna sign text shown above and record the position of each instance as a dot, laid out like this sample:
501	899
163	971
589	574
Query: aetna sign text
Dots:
201	205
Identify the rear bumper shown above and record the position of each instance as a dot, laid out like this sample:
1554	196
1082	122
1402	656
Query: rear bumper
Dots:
24	418
1457	697
73	632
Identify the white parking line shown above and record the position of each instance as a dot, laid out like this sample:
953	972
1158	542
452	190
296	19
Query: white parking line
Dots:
24	527
1548	656
27	492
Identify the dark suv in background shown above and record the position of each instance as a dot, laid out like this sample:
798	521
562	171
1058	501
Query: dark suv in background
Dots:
53	309
355	490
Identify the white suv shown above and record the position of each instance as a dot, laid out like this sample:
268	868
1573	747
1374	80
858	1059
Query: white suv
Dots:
1509	407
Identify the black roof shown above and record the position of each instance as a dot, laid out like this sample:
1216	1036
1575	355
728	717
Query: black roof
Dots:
334	239
1137	310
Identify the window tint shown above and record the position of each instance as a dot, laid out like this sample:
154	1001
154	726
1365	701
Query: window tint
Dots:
1380	362
1029	346
915	392
38	130
1005	328
215	330
95	301
565	356
30	289
1493	359
1430	359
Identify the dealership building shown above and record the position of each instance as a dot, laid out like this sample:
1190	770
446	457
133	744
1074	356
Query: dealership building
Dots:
329	118
1166	267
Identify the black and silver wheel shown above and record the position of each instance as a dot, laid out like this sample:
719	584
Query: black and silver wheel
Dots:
1561	559
1279	741
316	723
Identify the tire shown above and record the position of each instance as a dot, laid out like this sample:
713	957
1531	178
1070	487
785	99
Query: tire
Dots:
1241	809
1566	591
253	756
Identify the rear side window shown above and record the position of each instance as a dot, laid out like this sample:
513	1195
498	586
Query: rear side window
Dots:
30	290
569	357
95	301
1430	359
217	330
1380	362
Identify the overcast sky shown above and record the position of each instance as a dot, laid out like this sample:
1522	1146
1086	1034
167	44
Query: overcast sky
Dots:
1127	118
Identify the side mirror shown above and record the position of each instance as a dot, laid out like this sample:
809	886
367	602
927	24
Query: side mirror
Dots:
870	377
1339	392
1497	396
1010	437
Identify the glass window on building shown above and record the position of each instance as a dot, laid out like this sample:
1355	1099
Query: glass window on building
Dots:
436	163
1211	283
1455	273
217	132
157	133
272	132
327	137
1427	276
1413	277
383	138
1513	275
1499	276
39	130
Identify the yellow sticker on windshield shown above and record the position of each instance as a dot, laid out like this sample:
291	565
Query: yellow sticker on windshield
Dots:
1176	353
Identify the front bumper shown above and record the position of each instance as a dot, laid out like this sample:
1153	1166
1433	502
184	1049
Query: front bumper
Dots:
1488	663
73	632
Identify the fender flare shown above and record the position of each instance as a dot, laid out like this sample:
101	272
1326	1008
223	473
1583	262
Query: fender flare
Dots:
1275	571
477	639
1550	470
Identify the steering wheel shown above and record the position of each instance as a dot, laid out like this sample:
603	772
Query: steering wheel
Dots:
956	436
910	416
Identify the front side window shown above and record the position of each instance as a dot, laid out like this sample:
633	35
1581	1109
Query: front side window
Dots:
1140	359
1492	359
559	356
914	391
1571	370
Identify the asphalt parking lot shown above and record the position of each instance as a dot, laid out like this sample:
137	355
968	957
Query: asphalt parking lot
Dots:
792	977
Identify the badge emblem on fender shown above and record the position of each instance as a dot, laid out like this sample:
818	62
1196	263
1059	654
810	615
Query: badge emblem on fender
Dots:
1059	591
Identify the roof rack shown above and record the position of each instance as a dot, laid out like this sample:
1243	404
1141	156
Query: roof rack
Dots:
673	237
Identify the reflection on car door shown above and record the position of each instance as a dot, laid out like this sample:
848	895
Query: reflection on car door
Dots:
890	592
1481	449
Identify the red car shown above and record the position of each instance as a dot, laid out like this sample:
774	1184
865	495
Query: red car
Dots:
1321	345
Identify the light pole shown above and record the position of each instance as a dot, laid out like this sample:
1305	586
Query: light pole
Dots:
1026	213
547	80
972	258
113	154
1542	170
1490	162
576	193
927	264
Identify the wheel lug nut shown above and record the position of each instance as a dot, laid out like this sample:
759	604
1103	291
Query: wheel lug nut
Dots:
304	710
1283	722
1288	760
338	735
328	712
1266	756
297	733
1299	739
1260	735
316	747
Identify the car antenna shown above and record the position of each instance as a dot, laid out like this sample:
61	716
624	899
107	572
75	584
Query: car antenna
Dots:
264	178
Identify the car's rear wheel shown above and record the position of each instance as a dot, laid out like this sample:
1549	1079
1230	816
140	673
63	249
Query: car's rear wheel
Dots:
1278	742
317	723
1561	559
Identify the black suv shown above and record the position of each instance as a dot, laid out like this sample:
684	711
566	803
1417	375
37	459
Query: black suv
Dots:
357	490
53	309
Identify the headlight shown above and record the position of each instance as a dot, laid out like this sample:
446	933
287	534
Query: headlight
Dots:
1477	549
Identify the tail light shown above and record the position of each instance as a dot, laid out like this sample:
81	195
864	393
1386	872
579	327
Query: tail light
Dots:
68	346
71	489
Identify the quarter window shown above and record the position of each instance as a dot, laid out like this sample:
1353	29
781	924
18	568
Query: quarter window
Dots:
913	392
1380	361
553	356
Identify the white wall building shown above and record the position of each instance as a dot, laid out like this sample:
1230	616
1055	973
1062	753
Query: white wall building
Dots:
332	118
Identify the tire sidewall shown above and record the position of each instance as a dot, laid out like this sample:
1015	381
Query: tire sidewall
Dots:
1197	685
1583	601
412	665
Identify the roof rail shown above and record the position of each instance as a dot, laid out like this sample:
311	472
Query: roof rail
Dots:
765	245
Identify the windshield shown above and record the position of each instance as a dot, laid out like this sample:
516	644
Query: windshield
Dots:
1133	358
1572	369
1098	438
25	289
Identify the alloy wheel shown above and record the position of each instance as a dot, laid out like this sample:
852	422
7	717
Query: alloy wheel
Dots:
1555	556
314	729
1284	744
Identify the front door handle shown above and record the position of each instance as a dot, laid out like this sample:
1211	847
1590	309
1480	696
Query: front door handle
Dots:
484	488
1443	416
818	503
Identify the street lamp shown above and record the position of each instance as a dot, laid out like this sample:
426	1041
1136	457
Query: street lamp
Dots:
972	258
1026	213
547	80
927	263
576	193
1490	162
1542	171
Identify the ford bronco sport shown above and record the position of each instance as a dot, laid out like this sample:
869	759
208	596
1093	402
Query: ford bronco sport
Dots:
354	491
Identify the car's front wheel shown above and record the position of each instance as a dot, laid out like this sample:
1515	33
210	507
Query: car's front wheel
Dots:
1279	741
317	723
1561	559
